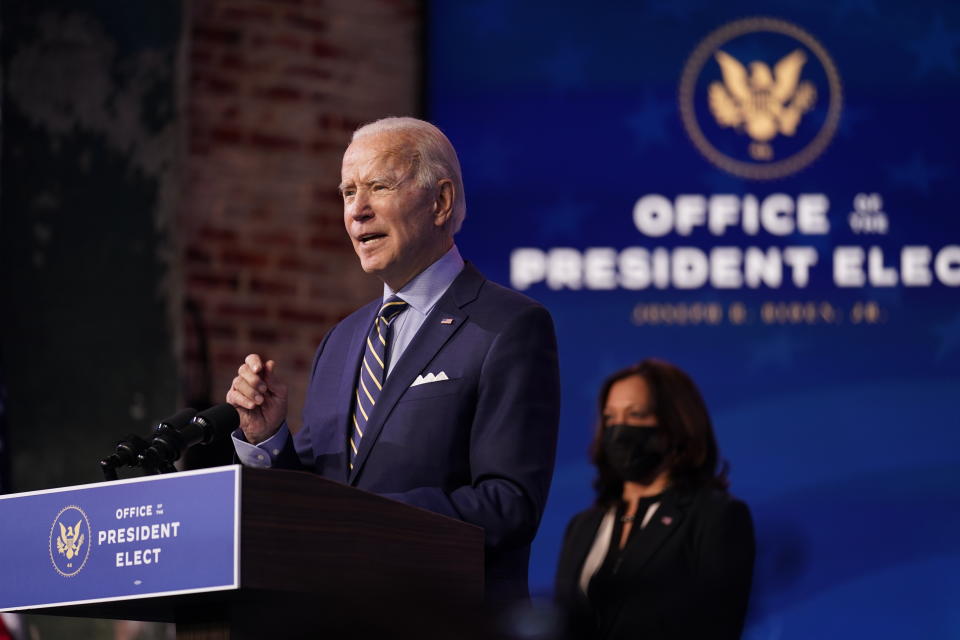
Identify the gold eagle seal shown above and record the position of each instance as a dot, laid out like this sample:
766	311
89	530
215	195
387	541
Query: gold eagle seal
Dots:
70	541
762	105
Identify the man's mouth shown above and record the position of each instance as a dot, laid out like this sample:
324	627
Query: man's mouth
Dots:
368	238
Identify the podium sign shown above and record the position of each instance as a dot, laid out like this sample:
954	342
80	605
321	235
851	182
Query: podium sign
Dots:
121	540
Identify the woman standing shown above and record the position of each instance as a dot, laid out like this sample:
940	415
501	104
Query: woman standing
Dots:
665	552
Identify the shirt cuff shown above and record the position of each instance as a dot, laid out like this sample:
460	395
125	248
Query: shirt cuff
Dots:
261	455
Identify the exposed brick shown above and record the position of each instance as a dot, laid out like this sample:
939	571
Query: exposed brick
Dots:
274	90
238	311
228	360
292	263
257	14
273	287
323	147
217	234
232	62
315	73
328	196
305	316
303	22
227	135
197	281
239	258
215	35
280	94
195	255
288	42
321	49
222	331
272	142
338	243
200	56
328	223
277	238
264	335
213	84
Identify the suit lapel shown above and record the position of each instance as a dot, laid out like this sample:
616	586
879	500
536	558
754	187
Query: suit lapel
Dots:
582	543
429	340
666	519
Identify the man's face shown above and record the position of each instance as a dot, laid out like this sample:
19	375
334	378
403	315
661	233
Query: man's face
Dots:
391	221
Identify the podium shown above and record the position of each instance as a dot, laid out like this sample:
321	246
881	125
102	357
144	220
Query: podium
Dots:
240	553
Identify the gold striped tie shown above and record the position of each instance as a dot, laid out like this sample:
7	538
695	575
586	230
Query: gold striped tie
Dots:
372	370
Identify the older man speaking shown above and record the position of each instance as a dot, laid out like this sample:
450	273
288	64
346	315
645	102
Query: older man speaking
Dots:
444	394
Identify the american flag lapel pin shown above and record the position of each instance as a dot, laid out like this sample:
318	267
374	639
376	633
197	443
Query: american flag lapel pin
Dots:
447	321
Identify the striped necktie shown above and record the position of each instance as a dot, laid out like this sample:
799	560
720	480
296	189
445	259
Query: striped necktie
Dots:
373	370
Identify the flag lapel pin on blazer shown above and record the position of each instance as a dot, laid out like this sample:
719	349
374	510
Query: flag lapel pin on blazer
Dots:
447	321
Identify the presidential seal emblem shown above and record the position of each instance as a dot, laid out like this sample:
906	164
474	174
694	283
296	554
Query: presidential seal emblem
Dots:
760	98
70	541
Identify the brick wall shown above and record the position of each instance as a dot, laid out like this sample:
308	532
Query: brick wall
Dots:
271	92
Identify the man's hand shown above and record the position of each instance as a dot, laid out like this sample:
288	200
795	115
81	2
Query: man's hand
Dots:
260	398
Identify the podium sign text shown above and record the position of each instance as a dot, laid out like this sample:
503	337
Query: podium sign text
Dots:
160	535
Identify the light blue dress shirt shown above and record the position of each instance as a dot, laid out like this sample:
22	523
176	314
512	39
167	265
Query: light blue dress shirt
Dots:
421	294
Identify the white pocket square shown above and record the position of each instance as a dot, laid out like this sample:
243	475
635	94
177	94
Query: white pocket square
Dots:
430	377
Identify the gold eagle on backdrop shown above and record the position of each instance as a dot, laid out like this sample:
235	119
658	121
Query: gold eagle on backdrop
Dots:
762	103
70	540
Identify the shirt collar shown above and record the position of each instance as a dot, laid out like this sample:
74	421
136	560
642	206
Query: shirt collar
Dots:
426	288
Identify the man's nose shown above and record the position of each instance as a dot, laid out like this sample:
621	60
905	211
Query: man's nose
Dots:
360	209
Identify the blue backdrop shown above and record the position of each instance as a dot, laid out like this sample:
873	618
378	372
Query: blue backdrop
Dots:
616	171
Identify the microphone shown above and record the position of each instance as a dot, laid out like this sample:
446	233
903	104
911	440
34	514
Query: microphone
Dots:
127	453
171	440
129	449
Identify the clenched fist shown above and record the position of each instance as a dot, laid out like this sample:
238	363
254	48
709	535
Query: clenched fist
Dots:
260	398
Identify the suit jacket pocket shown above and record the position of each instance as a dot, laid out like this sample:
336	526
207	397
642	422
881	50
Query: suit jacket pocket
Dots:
432	389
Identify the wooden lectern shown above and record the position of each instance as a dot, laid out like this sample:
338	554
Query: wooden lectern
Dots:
319	559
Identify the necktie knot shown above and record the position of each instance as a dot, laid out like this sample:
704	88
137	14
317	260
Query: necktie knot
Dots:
392	308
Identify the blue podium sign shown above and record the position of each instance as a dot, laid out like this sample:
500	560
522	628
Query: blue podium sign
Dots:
160	535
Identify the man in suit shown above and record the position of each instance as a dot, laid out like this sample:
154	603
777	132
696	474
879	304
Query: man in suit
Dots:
444	394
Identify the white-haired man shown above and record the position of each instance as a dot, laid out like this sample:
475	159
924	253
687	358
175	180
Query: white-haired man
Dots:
443	394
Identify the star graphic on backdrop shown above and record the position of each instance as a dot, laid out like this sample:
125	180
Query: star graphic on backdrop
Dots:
489	17
776	352
563	219
566	68
949	334
851	118
843	9
649	123
937	49
916	173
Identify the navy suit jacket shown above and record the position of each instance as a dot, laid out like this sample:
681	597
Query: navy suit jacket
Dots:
687	574
478	446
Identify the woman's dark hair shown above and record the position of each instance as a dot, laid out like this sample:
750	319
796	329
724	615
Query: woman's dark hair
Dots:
692	457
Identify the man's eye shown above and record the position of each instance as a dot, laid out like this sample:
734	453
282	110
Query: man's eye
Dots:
348	193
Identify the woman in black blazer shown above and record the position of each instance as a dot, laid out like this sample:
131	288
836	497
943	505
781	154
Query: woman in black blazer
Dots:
665	552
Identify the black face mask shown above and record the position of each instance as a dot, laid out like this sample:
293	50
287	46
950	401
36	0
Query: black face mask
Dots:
634	453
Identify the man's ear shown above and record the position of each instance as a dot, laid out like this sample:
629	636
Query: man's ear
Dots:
443	204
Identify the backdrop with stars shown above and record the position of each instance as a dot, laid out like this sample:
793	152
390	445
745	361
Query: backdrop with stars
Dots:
839	419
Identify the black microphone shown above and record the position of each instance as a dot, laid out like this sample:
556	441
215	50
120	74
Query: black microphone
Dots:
170	441
127	454
129	449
